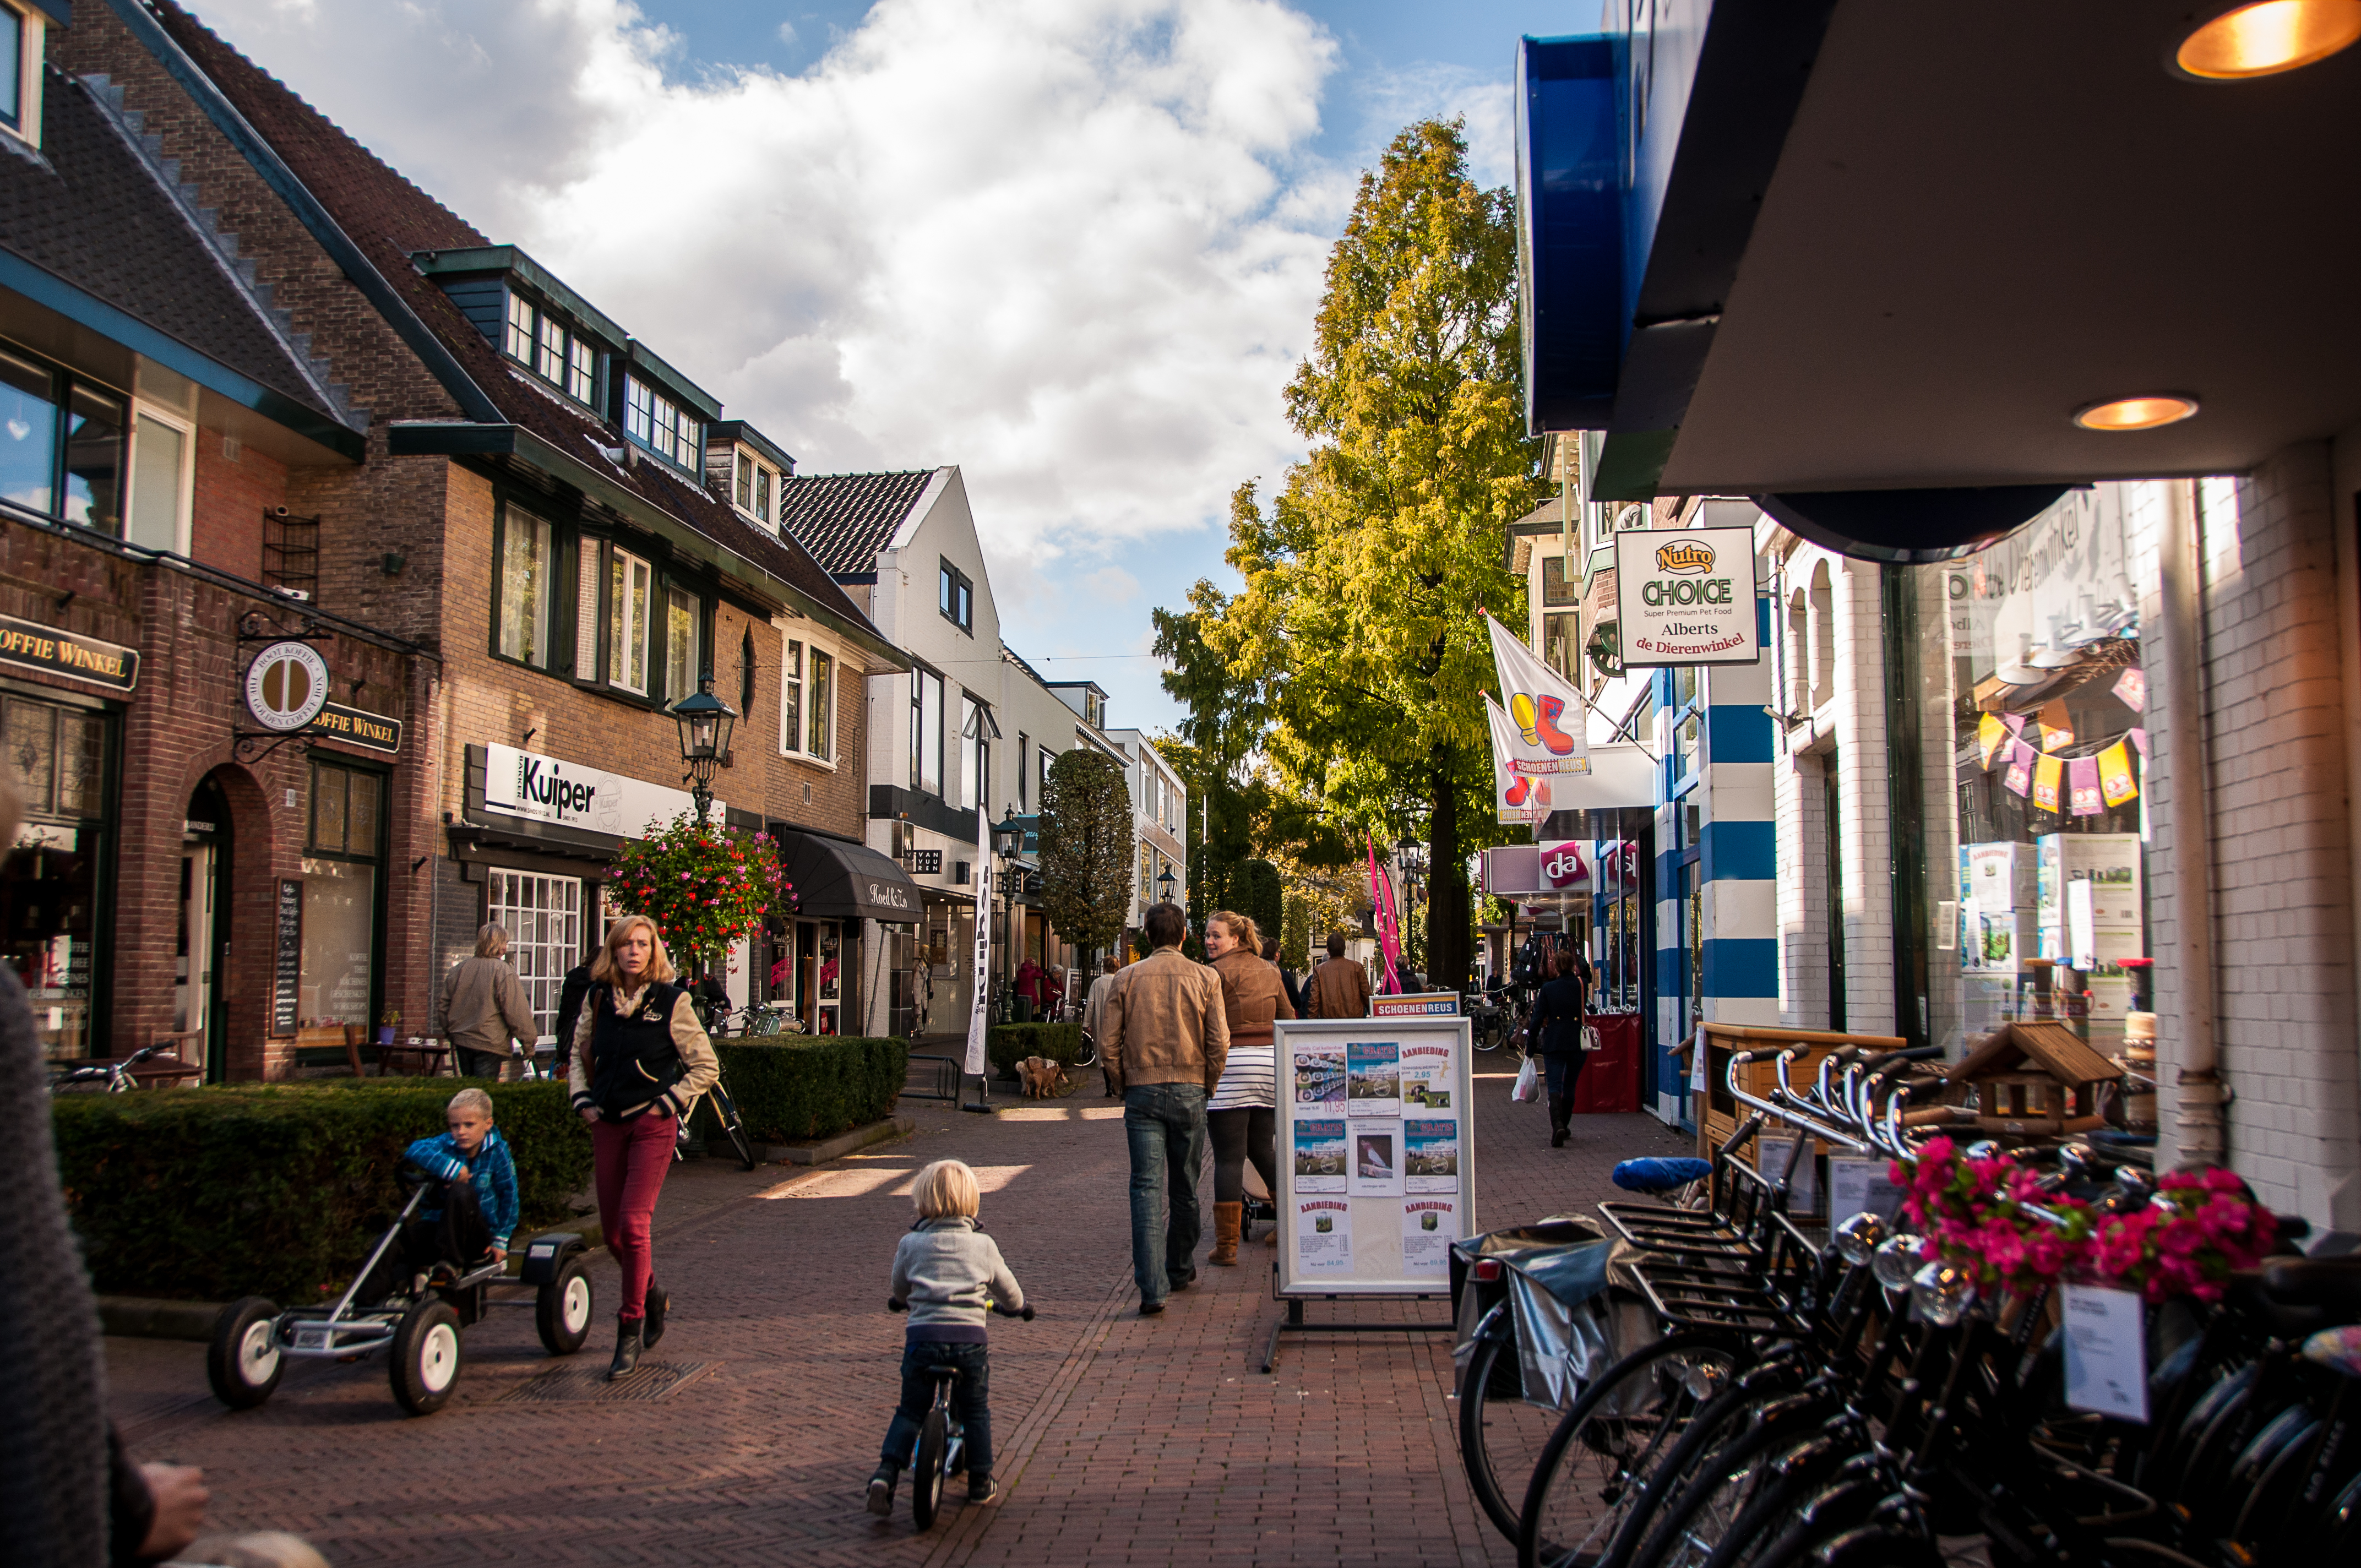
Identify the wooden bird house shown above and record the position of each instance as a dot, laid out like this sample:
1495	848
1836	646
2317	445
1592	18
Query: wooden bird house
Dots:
2036	1078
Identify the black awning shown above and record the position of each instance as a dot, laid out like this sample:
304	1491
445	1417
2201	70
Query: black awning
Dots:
835	880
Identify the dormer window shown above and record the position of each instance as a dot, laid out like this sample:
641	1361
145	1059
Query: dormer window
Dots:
663	426
757	482
540	342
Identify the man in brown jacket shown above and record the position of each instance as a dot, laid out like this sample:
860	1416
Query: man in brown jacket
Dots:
1340	988
485	1007
1167	1038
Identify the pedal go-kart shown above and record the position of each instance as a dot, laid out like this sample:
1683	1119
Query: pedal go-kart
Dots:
418	1322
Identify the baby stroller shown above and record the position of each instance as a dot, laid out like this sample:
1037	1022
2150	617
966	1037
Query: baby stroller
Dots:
430	1275
1259	1204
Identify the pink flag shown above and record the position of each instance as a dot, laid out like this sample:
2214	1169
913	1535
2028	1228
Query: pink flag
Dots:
2139	740
2083	786
1381	901
2019	780
2016	722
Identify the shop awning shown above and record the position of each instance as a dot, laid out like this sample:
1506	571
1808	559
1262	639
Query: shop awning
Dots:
838	879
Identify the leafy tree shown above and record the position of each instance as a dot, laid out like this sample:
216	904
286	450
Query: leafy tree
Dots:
1263	902
1358	633
1086	847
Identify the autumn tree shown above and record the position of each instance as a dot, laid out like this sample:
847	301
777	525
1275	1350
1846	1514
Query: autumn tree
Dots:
1086	847
1359	630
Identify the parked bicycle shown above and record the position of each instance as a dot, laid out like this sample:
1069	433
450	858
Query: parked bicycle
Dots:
725	1115
110	1078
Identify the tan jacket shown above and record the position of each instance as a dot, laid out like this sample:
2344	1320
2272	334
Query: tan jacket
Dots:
1340	989
1165	1024
484	1005
1252	996
700	1068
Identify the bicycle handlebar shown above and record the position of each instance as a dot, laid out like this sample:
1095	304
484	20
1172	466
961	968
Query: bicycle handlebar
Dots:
895	1304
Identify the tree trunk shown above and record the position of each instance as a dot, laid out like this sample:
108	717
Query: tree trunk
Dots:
1448	896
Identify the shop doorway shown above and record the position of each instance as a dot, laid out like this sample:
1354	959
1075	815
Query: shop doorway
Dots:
203	952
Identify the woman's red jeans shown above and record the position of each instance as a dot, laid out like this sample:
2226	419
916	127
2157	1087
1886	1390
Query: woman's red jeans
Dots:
630	1160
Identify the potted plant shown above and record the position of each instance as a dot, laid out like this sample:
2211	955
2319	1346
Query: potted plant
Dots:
386	1024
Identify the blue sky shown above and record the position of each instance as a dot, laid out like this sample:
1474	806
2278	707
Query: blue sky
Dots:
1072	246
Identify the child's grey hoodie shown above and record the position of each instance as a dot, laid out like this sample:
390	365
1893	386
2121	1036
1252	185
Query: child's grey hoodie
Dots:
946	1268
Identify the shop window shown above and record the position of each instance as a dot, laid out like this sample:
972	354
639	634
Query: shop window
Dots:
528	581
663	426
340	886
682	615
57	757
629	584
955	596
542	916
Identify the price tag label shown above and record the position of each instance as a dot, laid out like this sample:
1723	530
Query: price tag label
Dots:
2107	1351
311	1339
1862	1187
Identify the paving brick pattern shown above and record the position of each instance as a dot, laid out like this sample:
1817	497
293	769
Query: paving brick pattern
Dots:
1122	1440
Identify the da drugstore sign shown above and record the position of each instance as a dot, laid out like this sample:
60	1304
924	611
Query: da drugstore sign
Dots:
1687	597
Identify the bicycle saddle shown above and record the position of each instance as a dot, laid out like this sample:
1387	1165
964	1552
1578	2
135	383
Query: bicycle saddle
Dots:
2315	1281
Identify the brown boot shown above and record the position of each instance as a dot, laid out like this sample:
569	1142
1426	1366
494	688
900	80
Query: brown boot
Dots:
1561	1110
1227	1219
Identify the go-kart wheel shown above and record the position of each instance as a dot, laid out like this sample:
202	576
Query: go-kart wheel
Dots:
562	1310
427	1355
243	1362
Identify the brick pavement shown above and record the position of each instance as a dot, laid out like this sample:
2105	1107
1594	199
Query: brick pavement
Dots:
1122	1440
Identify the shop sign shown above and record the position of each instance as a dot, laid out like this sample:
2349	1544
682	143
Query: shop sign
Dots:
1686	597
286	686
287	975
44	648
571	794
371	732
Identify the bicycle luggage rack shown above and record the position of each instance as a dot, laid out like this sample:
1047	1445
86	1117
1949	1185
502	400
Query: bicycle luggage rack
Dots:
939	1079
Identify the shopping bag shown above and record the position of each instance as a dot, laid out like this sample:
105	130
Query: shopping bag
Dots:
1528	1083
1590	1040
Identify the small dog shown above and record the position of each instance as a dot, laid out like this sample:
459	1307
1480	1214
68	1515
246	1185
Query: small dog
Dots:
1044	1077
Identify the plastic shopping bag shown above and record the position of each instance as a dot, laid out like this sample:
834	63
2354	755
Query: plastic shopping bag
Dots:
1529	1084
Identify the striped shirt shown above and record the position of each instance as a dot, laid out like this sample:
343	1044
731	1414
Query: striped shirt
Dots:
1246	1079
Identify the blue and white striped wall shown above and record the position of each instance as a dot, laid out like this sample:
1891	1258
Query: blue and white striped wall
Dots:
1738	864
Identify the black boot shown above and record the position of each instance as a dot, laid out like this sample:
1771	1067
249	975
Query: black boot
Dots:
881	1490
1561	1107
627	1347
659	1300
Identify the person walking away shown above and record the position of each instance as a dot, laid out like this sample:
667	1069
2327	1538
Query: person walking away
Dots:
1167	1042
569	1016
485	1006
1242	1114
1340	988
948	1274
1556	1031
1094	1016
640	1058
1289	980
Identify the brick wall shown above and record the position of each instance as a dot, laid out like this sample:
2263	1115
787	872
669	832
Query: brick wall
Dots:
233	493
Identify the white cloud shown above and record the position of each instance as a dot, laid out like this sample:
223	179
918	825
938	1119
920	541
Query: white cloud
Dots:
787	34
1074	246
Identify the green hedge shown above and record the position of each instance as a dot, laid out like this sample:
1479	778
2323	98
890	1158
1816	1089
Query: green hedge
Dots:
278	1189
791	1088
1005	1044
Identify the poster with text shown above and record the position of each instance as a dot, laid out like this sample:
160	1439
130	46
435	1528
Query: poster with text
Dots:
1319	1156
1320	1076
1323	1235
1429	1225
1376	1160
1373	1078
1430	1156
1426	1077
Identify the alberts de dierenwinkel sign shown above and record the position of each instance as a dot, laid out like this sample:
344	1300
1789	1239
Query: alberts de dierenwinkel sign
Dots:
1687	597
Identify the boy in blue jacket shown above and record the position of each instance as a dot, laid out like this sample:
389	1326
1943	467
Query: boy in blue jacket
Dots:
481	1187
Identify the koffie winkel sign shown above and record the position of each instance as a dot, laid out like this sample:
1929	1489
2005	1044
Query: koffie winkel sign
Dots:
1686	597
575	795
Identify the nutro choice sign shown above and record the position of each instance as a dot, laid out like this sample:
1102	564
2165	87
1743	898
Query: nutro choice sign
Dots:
1686	597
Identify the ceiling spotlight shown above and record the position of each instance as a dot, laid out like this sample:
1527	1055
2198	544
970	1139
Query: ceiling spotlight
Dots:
2137	414
2267	38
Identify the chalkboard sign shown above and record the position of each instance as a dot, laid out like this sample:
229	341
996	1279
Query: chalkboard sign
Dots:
289	973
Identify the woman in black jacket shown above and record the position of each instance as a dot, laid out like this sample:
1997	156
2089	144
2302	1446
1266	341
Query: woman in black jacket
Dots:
1555	1031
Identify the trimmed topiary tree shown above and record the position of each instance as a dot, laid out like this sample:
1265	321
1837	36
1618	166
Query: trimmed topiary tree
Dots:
1086	847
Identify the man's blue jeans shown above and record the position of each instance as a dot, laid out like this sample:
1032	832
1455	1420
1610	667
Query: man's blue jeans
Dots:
1165	1124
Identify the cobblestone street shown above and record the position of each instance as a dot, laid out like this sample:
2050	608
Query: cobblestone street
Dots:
1122	1440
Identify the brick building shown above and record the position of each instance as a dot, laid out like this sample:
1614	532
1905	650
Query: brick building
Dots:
506	524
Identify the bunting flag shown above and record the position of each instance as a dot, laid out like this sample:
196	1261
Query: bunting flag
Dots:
1516	797
2046	772
1990	734
2056	727
2131	689
2019	780
2083	786
2016	722
2116	784
1545	711
2139	739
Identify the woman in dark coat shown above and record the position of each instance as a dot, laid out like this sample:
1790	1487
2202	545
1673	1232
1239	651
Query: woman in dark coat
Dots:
1555	1031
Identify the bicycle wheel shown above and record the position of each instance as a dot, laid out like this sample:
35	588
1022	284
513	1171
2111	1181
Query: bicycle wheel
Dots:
1500	1436
1738	1494
927	1477
1607	1447
1732	1415
725	1110
1088	1054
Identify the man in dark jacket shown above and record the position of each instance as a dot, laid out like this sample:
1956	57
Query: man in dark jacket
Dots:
569	1012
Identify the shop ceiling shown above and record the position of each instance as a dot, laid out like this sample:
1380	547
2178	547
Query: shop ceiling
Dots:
1878	246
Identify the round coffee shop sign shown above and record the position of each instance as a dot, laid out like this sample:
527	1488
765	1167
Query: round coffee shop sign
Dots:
286	686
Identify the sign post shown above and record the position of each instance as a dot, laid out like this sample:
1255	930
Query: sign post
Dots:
1376	1164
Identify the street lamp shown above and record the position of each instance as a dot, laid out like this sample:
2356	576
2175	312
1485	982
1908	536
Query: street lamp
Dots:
1164	881
1007	837
705	723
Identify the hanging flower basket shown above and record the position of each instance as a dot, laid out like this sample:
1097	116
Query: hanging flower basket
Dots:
707	886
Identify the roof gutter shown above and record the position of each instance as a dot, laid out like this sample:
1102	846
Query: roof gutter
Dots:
207	94
443	438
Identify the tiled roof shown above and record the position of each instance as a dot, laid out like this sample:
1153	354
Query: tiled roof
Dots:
97	216
389	219
845	519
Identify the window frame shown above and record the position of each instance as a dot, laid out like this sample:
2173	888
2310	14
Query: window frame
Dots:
184	483
752	484
616	598
919	738
556	353
955	595
550	644
700	618
797	681
64	382
662	425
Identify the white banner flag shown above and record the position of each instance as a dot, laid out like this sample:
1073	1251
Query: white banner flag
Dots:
980	965
1516	797
1545	711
